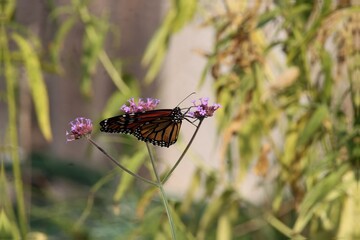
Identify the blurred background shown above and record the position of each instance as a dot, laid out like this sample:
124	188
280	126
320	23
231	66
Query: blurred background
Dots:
279	160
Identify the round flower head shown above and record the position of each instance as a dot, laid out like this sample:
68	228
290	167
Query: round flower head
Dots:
203	110
142	105
80	127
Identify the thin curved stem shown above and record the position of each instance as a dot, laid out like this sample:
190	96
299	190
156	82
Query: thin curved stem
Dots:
121	166
183	154
163	195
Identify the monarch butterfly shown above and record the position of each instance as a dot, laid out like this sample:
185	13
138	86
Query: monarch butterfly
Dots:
159	127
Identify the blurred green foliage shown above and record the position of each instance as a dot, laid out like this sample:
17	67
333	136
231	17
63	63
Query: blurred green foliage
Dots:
19	51
287	76
180	13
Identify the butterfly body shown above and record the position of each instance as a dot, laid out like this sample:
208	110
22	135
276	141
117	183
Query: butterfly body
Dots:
159	127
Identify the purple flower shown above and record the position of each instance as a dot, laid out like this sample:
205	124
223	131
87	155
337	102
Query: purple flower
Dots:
80	127
142	105
203	110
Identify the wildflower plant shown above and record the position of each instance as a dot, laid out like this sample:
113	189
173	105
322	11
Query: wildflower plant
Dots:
203	110
142	105
82	128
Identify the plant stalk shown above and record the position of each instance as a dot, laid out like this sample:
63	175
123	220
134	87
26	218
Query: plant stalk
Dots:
183	154
163	194
121	166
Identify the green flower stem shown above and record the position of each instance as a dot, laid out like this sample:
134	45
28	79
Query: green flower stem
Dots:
121	166
183	154
163	195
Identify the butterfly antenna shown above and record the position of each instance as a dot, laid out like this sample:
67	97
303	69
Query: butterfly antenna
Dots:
186	98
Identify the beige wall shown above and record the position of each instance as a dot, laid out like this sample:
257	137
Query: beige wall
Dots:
180	76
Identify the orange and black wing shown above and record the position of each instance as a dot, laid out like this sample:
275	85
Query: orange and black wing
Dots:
161	132
159	127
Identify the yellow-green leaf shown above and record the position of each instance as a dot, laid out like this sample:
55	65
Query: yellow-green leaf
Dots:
290	146
315	197
313	124
37	85
224	228
8	227
178	15
133	164
7	9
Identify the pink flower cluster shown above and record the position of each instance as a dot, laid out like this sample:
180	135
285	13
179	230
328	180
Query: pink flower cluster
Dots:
142	105
203	110
80	127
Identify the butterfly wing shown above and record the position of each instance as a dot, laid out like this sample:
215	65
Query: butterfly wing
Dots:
159	127
161	132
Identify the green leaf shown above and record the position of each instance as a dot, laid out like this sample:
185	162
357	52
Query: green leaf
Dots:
290	145
59	11
182	231
224	228
179	14
281	227
155	51
185	10
209	64
267	17
133	164
151	223
7	9
37	85
350	225
8	226
312	126
315	197
327	68
191	192
248	141
156	64
212	212
12	134
59	40
92	46
145	200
